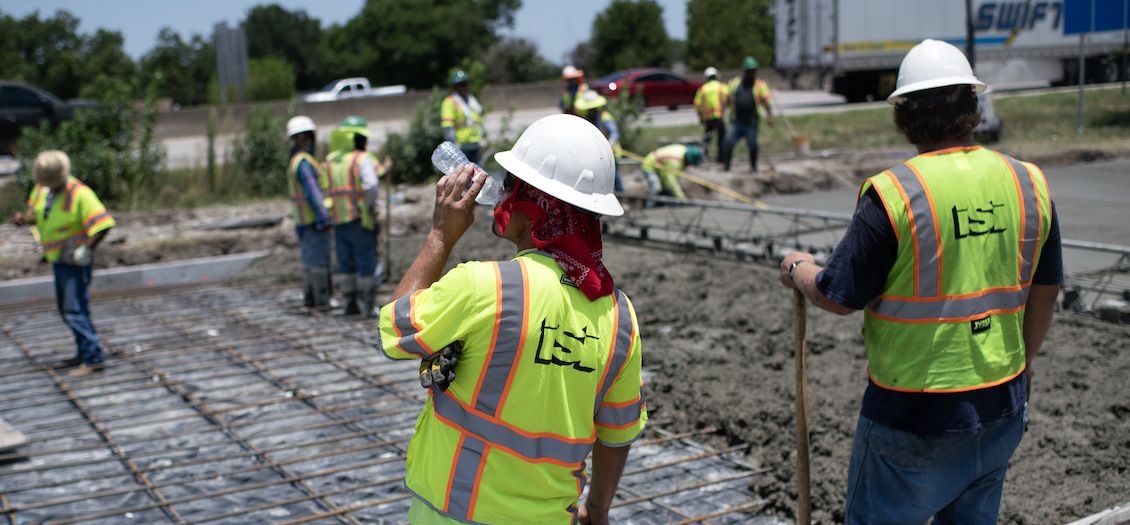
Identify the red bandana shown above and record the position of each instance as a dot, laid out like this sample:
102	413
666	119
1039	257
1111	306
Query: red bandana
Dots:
569	234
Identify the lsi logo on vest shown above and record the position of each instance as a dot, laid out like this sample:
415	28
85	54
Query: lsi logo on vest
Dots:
977	221
557	352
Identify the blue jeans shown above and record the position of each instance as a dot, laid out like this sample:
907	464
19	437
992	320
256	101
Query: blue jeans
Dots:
72	296
315	246
737	131
356	249
898	477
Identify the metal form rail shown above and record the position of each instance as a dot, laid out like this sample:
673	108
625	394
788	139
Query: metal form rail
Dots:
225	404
1096	273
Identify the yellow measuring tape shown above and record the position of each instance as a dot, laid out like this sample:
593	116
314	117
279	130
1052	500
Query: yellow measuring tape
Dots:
699	180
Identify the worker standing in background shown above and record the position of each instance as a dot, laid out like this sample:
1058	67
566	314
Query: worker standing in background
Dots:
575	88
591	108
71	222
550	362
660	167
461	117
710	102
353	174
955	258
751	101
307	185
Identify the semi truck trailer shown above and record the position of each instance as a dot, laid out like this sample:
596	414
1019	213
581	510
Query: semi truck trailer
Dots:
860	43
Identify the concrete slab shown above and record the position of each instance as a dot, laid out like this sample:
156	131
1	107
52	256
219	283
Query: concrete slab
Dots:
142	276
1113	516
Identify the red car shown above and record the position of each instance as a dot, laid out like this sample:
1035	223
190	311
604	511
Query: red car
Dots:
658	87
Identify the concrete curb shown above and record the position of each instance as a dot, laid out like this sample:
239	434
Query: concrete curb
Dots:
1112	516
130	277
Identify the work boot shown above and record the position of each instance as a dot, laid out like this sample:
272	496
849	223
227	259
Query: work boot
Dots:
348	282
84	370
367	295
320	281
307	287
69	363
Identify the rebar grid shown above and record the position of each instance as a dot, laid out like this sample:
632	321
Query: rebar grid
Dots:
308	427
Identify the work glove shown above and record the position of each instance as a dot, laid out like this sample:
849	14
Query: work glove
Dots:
439	371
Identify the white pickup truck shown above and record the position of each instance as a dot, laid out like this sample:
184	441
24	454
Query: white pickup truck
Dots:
357	87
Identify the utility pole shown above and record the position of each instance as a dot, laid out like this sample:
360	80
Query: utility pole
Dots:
970	48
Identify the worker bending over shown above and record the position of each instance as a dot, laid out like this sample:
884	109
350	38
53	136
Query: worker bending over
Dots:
955	258
710	103
661	168
353	174
550	363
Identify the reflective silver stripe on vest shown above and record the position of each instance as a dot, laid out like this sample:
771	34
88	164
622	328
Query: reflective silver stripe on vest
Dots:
927	239
463	479
623	344
620	416
533	448
505	353
951	308
1031	234
401	316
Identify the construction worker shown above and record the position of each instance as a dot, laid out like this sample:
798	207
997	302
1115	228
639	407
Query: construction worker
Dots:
461	117
660	168
71	222
955	258
751	101
591	108
575	88
307	185
353	174
710	102
550	362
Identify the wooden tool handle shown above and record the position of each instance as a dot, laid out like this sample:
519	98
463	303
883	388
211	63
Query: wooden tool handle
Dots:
804	496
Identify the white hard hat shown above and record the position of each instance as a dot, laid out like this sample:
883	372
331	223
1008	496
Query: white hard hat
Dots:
299	124
710	72
568	158
568	72
933	64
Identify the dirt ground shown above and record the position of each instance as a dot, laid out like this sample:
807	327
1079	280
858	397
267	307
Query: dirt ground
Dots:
718	350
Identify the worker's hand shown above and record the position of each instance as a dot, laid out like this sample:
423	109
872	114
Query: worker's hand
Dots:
769	120
387	163
455	203
590	516
788	261
19	219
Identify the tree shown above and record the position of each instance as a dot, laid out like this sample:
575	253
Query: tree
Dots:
415	42
581	55
629	34
179	69
45	52
269	78
721	32
517	60
103	56
293	36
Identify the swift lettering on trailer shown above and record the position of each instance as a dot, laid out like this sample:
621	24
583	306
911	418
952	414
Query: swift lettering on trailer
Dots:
1018	16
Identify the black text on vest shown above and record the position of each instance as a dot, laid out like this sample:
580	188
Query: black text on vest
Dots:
977	221
555	350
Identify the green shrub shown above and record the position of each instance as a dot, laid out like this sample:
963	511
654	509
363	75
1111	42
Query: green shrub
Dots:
260	154
630	121
111	146
411	152
269	78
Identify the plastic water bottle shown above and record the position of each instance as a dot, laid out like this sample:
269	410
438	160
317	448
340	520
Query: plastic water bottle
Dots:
447	157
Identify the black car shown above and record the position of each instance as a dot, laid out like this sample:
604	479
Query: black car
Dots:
23	105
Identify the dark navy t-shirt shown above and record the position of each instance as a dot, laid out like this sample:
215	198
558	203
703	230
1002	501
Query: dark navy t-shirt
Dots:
856	273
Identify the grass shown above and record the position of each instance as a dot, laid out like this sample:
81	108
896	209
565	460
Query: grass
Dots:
1035	125
191	188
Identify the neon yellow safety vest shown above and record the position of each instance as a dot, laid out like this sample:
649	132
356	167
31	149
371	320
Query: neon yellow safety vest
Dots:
75	215
544	374
761	94
303	213
451	115
970	224
345	192
710	100
662	162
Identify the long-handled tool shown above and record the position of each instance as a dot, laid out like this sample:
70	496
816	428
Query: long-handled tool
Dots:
800	140
699	180
804	496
